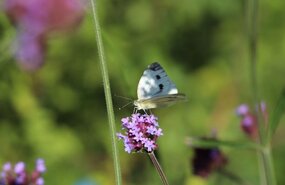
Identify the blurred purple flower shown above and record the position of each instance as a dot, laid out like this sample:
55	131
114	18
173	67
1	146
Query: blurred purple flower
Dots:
141	133
7	167
30	50
242	110
19	176
248	122
40	166
264	112
207	160
40	181
36	20
19	168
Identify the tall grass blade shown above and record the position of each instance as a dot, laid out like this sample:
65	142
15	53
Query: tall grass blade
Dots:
276	115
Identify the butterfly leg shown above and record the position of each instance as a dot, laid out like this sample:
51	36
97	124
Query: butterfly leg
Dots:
135	110
146	112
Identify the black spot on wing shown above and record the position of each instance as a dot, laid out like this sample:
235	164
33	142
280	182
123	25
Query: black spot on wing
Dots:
157	77
160	86
155	66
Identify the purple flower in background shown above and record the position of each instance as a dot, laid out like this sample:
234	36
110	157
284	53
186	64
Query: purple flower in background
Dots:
264	111
242	110
5	174
248	122
30	50
36	21
207	160
141	133
19	176
19	168
40	166
40	181
7	167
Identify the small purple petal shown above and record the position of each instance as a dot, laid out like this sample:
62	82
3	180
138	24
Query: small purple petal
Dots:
134	130
129	147
138	137
30	52
121	136
7	167
152	119
242	110
141	119
248	121
3	175
40	181
19	168
214	153
149	145
125	121
40	166
151	130
20	179
263	107
132	125
159	132
135	117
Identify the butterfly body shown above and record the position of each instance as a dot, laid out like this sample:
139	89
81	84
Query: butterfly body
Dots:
155	89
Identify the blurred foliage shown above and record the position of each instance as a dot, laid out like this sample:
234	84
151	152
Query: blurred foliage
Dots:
58	113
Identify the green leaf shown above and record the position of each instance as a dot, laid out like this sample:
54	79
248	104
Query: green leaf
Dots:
276	115
211	143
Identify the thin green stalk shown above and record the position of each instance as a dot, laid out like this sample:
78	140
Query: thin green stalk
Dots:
158	168
253	38
108	97
266	169
269	167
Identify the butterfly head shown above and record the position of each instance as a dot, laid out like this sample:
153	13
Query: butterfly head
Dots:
138	105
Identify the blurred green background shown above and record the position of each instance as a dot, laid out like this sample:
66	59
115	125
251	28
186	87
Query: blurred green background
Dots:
59	113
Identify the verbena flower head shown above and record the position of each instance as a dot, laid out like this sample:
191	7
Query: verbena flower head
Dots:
141	133
19	176
248	122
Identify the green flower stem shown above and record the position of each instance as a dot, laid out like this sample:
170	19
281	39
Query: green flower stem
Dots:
266	168
158	168
268	163
107	90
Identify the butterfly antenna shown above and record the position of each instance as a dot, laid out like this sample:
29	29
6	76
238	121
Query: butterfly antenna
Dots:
125	98
125	105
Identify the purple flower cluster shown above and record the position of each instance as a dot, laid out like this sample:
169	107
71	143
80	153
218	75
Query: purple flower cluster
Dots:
142	131
19	176
249	120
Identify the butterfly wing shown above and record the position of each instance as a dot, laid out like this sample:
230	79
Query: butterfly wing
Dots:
155	82
160	101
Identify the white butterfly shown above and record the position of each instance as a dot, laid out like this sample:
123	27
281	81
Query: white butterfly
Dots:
155	89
